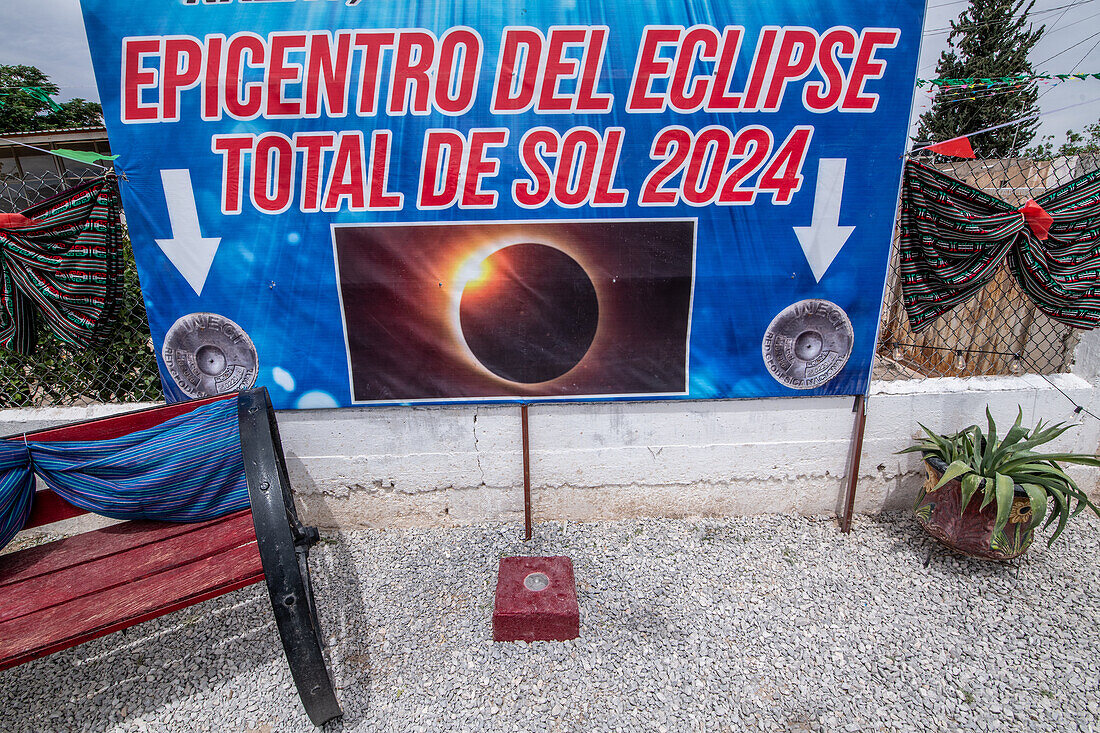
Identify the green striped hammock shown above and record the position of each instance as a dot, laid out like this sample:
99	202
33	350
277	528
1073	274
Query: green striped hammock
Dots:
955	237
64	269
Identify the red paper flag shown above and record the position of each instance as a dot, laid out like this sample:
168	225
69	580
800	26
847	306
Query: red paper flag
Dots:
15	221
1037	219
958	147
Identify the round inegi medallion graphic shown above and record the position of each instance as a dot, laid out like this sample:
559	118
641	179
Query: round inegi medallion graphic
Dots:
808	343
208	355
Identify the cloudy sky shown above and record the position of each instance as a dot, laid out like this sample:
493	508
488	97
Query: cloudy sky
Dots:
50	35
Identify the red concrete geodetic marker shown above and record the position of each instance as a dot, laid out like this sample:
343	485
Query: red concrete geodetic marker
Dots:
536	600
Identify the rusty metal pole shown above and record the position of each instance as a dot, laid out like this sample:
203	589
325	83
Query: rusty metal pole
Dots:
526	475
855	453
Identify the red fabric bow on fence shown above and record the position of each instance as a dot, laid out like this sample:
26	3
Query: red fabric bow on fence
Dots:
955	237
1037	219
60	266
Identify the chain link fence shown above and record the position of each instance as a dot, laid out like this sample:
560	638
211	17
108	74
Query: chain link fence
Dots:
122	368
999	331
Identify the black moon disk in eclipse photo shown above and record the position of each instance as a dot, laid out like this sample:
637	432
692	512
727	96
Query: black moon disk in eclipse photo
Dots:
530	313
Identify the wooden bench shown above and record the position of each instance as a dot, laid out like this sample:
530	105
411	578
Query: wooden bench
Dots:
60	594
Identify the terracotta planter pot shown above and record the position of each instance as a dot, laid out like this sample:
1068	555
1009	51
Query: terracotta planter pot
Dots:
971	531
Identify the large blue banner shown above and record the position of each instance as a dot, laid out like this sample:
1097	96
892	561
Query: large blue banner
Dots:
372	202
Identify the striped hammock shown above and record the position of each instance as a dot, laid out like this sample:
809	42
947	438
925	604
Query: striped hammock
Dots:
63	267
187	469
955	237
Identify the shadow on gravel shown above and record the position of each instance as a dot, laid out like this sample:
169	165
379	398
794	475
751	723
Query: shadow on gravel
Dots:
134	673
343	617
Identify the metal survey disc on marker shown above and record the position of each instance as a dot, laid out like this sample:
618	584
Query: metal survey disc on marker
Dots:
807	343
207	354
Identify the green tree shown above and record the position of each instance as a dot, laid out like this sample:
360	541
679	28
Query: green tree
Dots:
990	39
1077	143
26	104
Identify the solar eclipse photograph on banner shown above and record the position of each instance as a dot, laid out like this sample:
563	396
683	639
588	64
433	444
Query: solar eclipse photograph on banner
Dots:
446	311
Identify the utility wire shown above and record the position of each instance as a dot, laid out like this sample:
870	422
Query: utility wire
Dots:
1093	48
1078	408
48	152
1070	48
1046	31
1017	121
982	24
1047	91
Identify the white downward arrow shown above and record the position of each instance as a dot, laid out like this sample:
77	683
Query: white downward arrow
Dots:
822	240
190	252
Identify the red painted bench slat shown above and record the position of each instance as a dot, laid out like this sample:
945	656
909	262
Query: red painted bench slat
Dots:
48	508
72	590
113	426
92	615
159	551
55	556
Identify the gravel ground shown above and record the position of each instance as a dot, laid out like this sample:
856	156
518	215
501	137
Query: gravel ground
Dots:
770	623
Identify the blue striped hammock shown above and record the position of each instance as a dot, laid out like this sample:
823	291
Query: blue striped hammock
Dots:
187	469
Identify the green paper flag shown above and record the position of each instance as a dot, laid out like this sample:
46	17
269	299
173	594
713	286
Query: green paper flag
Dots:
41	95
84	156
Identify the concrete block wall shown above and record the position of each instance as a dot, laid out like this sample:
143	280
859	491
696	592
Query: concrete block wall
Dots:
446	465
592	461
435	466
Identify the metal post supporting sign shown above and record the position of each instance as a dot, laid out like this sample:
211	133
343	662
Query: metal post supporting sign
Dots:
526	475
854	454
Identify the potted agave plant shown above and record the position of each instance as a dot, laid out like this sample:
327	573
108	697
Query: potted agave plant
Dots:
985	495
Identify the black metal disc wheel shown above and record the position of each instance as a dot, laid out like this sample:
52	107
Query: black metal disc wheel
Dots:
284	544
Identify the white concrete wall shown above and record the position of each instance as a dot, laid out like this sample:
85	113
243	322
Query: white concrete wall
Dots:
422	466
451	465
